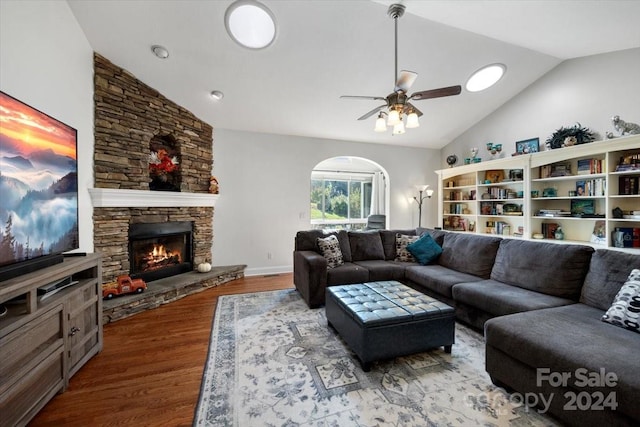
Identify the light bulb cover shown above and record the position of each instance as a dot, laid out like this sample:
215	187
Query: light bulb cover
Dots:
412	120
398	129
381	125
394	118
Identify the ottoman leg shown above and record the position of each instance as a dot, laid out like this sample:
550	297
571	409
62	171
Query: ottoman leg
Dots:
447	349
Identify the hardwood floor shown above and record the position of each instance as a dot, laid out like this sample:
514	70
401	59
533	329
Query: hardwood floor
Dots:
149	372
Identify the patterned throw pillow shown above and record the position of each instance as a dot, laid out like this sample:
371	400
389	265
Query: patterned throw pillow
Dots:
330	248
625	310
402	254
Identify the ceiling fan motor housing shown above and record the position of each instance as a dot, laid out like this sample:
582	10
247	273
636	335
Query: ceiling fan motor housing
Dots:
396	11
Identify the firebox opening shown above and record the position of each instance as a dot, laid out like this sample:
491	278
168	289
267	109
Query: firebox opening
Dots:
158	250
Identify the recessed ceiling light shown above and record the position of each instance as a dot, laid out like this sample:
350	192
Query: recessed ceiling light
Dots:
485	77
160	51
217	95
250	24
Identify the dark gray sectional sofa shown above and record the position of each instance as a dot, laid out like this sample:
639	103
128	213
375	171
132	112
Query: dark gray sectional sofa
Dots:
539	305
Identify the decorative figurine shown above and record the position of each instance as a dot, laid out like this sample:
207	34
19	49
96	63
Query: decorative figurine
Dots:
577	133
214	188
123	285
625	128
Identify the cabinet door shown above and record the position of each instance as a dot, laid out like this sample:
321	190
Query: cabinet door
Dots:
84	325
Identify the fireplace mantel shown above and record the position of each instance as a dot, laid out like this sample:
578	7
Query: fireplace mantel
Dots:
119	198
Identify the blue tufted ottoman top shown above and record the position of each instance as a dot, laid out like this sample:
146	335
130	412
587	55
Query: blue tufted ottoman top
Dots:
379	303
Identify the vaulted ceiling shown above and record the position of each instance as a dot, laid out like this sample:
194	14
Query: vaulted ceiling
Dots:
324	49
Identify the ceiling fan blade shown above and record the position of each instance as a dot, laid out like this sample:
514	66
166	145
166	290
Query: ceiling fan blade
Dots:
405	80
372	112
411	106
363	97
437	93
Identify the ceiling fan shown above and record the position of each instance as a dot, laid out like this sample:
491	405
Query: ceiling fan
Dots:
397	102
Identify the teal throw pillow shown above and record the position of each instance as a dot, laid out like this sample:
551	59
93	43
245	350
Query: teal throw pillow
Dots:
425	249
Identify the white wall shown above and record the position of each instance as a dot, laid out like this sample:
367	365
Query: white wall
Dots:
588	90
47	62
264	192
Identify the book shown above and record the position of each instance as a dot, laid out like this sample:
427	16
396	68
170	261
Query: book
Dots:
581	188
636	238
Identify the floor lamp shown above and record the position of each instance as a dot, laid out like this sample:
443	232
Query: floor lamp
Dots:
422	189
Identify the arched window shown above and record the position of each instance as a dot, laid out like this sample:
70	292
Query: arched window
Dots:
345	191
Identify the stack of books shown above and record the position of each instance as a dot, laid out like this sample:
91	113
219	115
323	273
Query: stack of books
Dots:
589	166
551	213
628	185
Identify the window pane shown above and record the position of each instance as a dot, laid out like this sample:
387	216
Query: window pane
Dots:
317	196
337	204
355	199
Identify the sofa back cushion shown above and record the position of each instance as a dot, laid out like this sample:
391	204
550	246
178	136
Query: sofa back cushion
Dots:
366	245
307	241
438	235
389	241
468	253
548	268
607	273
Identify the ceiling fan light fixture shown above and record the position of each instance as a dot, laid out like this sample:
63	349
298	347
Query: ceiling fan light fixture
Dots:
381	125
394	118
412	120
398	129
160	51
485	77
250	24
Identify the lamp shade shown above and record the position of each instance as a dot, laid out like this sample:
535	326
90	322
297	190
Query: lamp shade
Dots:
398	129
381	126
394	118
412	120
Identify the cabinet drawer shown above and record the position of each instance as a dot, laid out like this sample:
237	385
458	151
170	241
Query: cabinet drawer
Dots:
23	349
35	387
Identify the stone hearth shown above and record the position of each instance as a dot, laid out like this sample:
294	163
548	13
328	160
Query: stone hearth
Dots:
167	290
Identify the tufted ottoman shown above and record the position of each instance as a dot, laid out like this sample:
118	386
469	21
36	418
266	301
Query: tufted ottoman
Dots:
383	320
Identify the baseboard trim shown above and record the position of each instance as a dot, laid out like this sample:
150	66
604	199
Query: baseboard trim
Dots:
262	271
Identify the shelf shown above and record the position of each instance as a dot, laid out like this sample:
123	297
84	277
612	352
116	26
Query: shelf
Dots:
577	229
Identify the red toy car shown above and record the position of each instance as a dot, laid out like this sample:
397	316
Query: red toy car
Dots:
123	285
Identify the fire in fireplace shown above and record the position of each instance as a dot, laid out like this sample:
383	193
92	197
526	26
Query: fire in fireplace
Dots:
158	250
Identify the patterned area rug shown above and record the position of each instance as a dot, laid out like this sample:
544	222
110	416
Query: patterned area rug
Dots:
274	362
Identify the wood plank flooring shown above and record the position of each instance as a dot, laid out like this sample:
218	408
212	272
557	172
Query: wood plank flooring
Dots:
149	371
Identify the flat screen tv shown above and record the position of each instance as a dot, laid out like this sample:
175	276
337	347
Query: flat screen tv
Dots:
38	189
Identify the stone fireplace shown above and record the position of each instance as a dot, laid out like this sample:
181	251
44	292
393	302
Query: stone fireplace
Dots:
153	162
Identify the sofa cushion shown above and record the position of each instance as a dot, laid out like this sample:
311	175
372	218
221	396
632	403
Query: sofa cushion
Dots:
437	278
569	338
389	241
438	235
425	249
608	271
347	273
330	248
365	245
625	310
499	299
402	254
548	268
307	241
468	253
380	270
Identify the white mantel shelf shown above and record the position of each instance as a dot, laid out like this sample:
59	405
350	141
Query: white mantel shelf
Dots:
118	198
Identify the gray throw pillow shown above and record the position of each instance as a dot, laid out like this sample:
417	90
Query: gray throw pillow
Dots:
330	248
625	310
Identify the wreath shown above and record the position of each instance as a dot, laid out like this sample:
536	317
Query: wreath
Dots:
565	137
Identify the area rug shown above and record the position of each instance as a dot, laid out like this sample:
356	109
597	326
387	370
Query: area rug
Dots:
274	362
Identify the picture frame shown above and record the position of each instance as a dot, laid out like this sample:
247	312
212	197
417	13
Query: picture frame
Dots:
583	207
528	146
494	176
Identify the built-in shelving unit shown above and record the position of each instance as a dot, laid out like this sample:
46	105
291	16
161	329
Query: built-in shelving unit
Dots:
46	339
529	196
